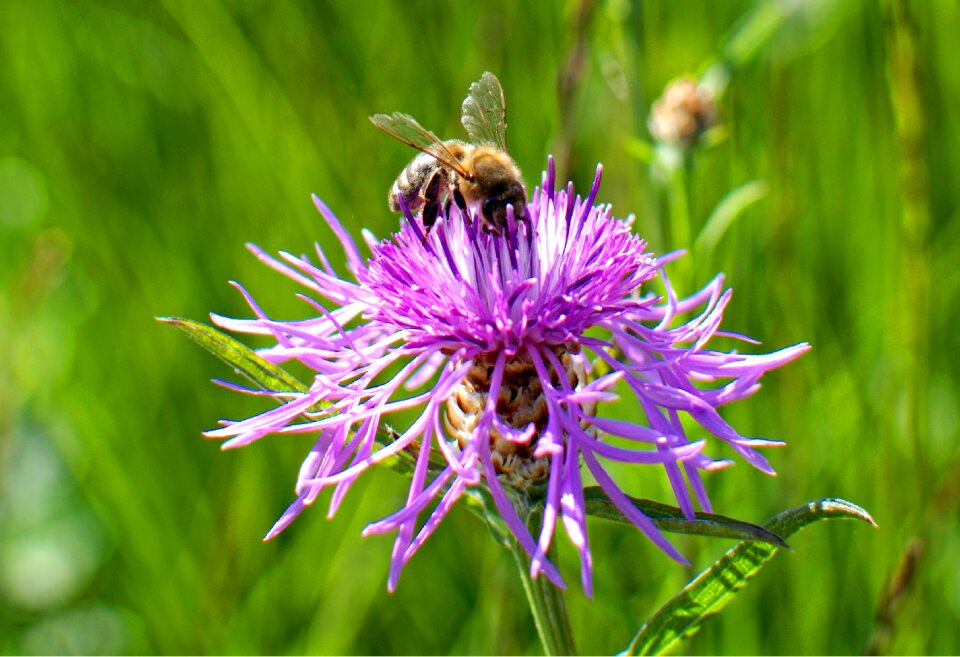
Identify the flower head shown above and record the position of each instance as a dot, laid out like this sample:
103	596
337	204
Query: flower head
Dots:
493	344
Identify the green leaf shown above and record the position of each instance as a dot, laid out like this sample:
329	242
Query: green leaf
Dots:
402	462
671	519
239	356
715	587
274	378
478	500
727	210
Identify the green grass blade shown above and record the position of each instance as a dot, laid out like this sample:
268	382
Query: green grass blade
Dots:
727	211
715	587
671	519
640	149
239	356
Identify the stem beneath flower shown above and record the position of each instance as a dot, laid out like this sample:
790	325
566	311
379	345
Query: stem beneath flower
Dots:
547	606
679	196
681	220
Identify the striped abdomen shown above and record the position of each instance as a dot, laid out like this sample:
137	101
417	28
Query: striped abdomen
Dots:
411	182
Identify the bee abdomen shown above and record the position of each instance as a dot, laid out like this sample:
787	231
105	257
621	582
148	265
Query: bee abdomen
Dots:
411	181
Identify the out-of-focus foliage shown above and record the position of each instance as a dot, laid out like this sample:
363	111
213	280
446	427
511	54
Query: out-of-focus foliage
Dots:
142	143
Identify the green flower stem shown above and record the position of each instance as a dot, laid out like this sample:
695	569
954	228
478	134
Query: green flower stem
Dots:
547	606
680	229
677	165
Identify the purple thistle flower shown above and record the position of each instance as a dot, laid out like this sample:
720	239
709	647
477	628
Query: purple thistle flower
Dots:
485	338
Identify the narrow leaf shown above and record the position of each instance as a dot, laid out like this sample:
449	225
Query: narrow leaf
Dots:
728	209
273	378
715	587
239	356
671	519
403	462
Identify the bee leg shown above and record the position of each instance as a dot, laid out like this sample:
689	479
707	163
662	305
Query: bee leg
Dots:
460	201
431	202
429	216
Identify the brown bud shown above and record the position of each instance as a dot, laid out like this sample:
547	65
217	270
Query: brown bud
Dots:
683	113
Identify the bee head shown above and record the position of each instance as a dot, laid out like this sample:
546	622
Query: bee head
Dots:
495	184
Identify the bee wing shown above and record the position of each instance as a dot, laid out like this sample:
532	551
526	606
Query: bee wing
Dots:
405	128
485	112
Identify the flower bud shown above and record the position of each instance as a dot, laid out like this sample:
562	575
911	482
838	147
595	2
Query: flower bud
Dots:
683	113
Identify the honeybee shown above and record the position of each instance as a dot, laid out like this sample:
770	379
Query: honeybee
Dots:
479	174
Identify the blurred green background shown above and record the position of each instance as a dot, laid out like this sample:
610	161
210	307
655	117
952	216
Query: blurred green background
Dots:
142	144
